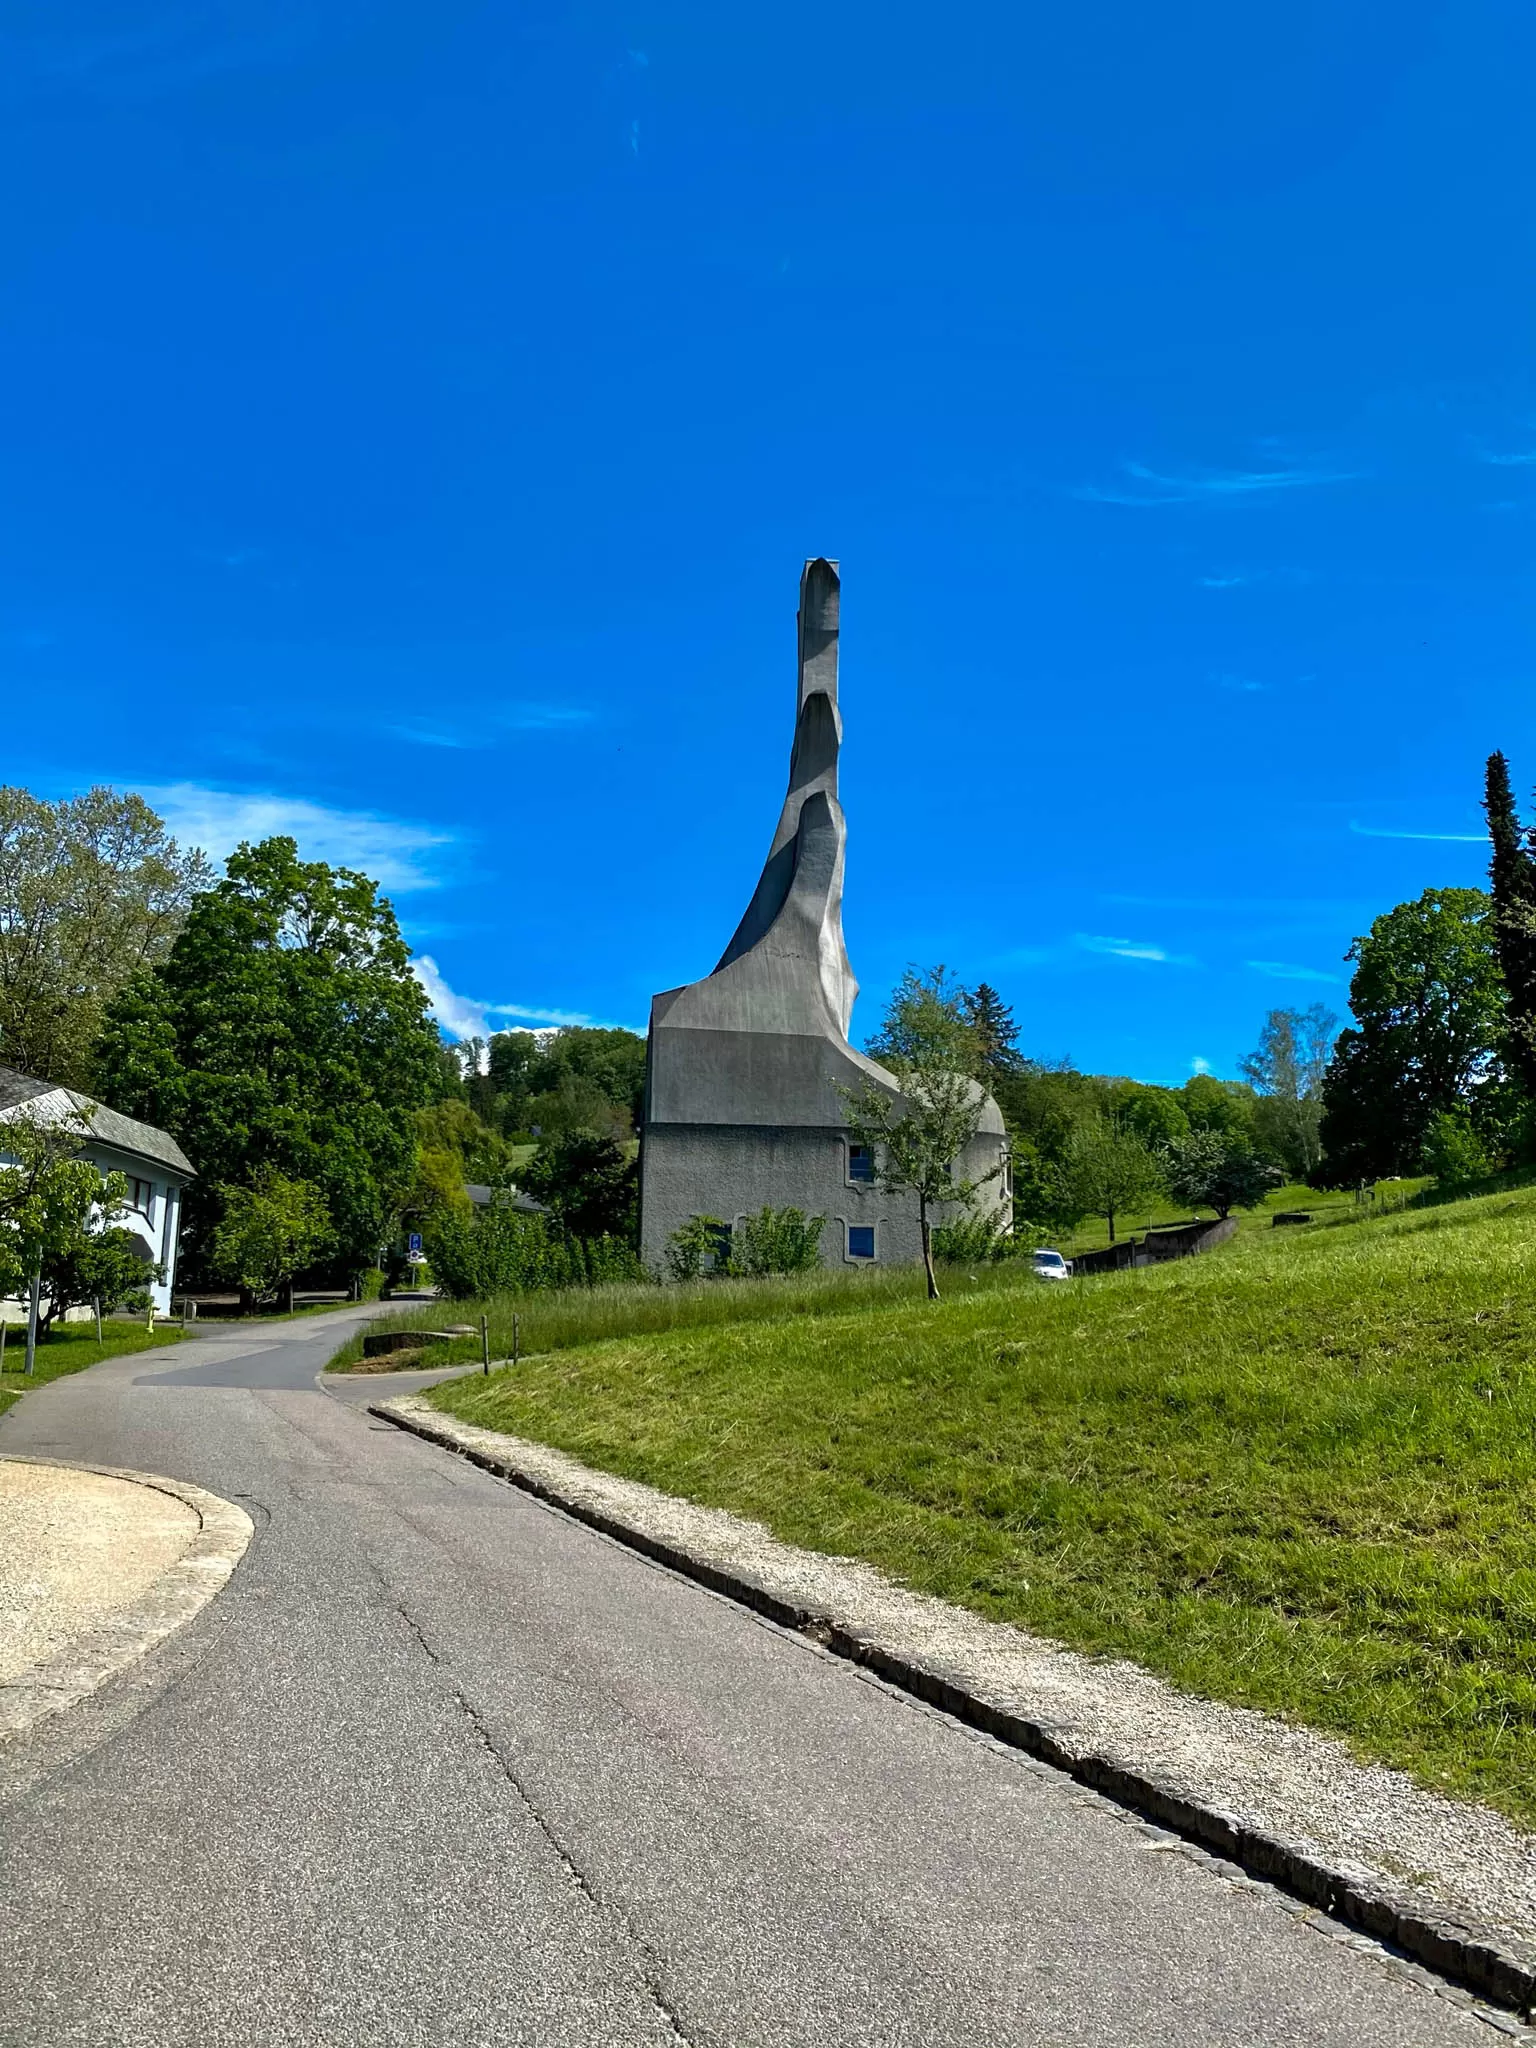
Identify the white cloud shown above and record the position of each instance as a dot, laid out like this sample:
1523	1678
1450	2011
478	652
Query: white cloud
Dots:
1131	949
465	1017
1284	970
1385	832
395	855
1152	487
1199	1064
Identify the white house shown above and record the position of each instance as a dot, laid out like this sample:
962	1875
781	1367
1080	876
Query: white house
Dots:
150	1160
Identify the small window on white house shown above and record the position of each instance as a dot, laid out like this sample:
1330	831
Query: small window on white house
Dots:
861	1240
141	1196
861	1164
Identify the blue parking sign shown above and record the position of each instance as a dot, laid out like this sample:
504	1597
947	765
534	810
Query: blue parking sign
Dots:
413	1242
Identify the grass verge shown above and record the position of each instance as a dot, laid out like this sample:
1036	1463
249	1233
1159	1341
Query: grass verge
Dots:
71	1348
563	1317
1297	1474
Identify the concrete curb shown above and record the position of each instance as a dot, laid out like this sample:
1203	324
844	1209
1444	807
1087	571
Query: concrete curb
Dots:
176	1596
1454	1945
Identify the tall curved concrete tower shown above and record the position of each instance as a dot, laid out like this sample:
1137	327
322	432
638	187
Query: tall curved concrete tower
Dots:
744	1069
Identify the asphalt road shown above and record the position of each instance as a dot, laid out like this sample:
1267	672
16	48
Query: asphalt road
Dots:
440	1766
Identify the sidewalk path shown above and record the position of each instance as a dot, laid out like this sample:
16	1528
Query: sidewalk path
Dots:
76	1547
442	1766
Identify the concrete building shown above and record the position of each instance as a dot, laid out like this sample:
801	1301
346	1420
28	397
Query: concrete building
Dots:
151	1161
744	1067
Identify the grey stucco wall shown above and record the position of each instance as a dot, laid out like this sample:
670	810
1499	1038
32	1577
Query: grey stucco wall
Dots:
732	1170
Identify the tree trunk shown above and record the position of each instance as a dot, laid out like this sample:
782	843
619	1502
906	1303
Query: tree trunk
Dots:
933	1285
1110	1220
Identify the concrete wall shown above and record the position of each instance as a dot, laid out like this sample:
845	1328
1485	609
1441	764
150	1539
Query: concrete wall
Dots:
733	1170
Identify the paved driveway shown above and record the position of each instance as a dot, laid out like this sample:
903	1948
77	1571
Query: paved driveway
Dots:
442	1767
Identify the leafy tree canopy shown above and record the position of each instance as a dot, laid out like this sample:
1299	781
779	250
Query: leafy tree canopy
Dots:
91	890
284	1031
269	1231
585	1178
1217	1170
579	1077
1428	1003
1286	1070
1106	1171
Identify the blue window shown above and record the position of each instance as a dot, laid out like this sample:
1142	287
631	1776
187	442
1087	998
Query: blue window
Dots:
861	1165
861	1240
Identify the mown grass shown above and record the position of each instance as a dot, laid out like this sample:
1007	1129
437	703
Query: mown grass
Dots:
71	1348
1299	1473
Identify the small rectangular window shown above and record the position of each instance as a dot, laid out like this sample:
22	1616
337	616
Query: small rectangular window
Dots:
861	1164
141	1196
861	1240
720	1256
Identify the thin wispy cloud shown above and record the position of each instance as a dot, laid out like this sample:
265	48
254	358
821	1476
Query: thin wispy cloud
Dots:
1149	487
466	1017
1131	949
398	856
544	717
1508	458
1286	970
1390	832
1199	1064
1223	582
434	736
1245	686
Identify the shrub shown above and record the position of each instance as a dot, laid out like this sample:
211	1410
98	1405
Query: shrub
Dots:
977	1240
776	1241
699	1246
503	1250
1453	1151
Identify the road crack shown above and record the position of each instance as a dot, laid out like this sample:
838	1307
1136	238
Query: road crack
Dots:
645	1959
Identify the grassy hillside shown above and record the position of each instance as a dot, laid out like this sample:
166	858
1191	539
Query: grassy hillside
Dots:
1297	1473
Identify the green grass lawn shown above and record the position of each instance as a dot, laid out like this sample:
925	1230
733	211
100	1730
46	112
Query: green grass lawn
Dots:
1298	1473
71	1348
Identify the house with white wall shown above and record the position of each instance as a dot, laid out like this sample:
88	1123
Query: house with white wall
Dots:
150	1160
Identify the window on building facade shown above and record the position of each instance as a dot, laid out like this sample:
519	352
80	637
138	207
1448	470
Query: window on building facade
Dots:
720	1256
861	1240
861	1163
141	1196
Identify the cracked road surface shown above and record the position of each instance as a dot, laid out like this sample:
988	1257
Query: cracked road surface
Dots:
440	1766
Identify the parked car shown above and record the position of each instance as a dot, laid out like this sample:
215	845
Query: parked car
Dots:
1051	1266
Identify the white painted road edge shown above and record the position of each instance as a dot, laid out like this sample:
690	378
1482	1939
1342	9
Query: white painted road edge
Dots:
1451	1884
180	1592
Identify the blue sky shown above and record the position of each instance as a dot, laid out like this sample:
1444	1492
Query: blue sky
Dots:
416	419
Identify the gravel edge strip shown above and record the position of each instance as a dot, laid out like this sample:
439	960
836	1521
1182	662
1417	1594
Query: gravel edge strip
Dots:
176	1596
1454	1945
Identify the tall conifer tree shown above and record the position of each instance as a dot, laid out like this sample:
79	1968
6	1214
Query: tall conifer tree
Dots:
1512	881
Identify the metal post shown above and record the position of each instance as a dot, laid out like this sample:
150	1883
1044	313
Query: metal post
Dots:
34	1292
485	1345
96	1304
2	1343
517	1331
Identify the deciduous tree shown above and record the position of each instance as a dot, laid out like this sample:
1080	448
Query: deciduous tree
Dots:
1428	1002
1106	1171
916	1139
1287	1069
91	889
287	1032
